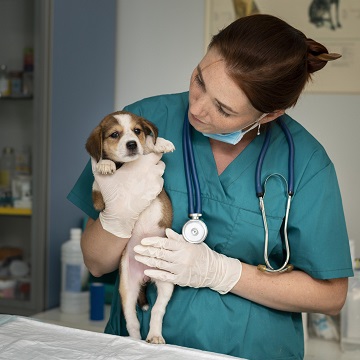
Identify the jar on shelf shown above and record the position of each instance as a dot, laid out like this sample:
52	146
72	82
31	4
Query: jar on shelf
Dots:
7	172
15	83
4	81
28	74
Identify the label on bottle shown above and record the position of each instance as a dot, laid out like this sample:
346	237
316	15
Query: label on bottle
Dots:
4	178
4	87
76	277
73	278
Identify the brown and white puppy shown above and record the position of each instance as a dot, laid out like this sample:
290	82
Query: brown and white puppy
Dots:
123	137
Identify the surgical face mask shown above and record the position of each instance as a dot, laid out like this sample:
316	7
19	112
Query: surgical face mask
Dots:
234	137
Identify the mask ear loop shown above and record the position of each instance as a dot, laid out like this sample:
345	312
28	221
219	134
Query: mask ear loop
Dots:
259	125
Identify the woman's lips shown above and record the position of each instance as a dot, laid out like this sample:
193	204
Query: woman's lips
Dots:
195	120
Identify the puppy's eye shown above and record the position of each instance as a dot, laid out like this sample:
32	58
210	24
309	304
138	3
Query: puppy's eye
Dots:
137	131
114	135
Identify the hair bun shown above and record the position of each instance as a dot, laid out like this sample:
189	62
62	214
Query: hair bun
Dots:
318	56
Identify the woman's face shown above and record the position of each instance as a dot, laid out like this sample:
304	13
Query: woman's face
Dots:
216	103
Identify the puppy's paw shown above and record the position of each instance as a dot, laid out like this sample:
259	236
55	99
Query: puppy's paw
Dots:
155	339
105	167
163	146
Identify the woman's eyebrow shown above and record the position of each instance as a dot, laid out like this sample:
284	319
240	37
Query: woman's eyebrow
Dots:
200	75
227	107
218	101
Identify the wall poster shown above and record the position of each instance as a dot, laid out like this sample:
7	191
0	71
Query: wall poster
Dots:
334	23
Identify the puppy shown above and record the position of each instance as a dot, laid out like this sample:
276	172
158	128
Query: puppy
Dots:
123	137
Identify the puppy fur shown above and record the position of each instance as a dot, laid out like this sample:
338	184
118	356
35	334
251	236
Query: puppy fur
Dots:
123	137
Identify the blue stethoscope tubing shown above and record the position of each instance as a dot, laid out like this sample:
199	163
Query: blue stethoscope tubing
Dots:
260	193
190	171
195	230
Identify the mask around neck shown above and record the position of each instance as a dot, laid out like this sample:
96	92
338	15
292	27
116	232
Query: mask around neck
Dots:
234	137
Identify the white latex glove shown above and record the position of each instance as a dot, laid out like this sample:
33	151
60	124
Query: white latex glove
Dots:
128	192
185	264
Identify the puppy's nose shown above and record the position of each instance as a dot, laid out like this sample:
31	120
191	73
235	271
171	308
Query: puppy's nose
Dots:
131	145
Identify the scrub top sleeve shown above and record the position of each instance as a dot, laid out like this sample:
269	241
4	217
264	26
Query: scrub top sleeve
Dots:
81	193
318	237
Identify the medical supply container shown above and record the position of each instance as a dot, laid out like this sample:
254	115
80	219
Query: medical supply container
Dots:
7	166
74	281
4	81
7	172
97	301
350	314
15	78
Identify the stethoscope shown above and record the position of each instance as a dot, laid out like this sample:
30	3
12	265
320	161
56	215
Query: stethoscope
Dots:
195	230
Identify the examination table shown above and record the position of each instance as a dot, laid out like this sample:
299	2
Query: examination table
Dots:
24	338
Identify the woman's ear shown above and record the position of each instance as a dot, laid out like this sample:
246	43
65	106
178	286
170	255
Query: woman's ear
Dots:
272	116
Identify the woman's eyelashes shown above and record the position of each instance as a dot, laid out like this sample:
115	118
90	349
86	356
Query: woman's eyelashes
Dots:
201	84
221	110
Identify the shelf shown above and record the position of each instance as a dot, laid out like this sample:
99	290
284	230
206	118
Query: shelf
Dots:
15	211
24	97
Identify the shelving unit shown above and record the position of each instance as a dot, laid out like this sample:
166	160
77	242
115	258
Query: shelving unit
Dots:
15	211
23	123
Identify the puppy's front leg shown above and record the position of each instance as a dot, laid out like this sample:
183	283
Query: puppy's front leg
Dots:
161	146
105	166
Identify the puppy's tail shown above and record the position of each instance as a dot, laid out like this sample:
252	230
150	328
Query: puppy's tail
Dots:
142	300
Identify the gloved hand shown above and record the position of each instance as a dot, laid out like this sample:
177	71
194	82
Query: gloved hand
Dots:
128	192
186	264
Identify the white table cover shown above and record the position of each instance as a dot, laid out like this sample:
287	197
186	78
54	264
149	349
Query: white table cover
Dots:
24	338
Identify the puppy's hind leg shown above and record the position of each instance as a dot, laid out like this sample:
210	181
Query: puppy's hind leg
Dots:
164	292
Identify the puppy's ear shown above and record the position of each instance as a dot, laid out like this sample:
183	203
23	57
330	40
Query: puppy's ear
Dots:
94	143
150	128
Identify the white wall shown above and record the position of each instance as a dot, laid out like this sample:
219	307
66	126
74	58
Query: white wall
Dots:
161	41
334	121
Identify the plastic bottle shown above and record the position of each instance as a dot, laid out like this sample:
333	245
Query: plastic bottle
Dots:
28	74
7	172
74	282
4	81
7	166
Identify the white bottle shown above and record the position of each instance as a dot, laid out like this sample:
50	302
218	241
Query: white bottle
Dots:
74	281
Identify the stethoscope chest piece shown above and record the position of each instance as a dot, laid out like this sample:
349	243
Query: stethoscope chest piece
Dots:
195	231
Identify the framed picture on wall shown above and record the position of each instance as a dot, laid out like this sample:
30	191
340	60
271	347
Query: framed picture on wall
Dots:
334	23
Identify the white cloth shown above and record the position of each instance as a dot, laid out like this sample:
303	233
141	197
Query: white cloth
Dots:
24	339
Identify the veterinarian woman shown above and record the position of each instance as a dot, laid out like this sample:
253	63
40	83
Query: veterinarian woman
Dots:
254	70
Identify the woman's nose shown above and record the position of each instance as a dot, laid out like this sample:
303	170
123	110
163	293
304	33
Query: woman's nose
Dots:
198	106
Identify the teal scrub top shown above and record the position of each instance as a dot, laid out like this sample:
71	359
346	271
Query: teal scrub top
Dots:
228	324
